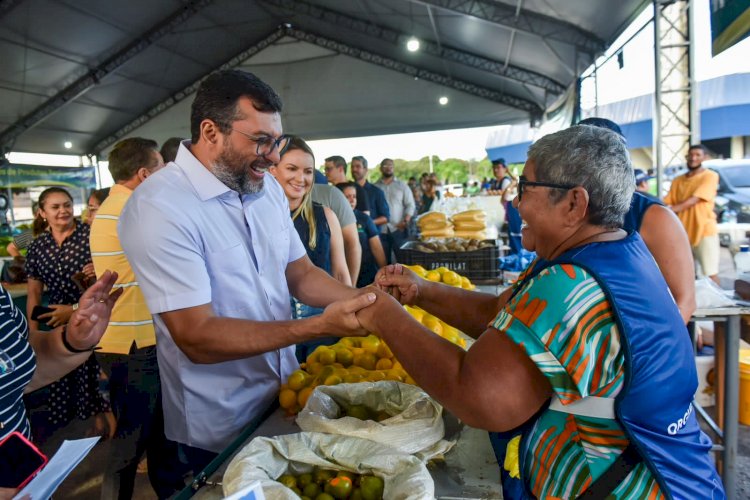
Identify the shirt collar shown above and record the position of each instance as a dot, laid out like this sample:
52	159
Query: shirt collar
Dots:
204	182
120	189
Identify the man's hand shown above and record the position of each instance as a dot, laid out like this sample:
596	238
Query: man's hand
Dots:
59	316
386	308
340	319
88	270
402	283
88	323
7	493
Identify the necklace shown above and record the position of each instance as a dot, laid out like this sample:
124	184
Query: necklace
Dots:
589	239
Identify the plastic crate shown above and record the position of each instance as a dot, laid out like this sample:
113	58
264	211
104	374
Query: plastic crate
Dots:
479	266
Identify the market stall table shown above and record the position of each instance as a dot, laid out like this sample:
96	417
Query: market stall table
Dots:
727	436
469	470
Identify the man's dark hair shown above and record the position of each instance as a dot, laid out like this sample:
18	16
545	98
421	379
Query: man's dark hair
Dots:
131	154
337	160
100	194
701	147
169	148
344	185
362	159
217	98
602	123
385	160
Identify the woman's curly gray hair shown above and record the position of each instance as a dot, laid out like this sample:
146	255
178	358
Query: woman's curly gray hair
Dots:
591	157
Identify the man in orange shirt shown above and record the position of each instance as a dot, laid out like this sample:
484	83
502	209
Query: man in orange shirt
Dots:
691	196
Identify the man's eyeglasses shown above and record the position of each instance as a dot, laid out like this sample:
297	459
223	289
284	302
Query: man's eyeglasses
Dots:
523	183
266	144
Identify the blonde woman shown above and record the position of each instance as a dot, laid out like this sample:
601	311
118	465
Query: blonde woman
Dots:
316	225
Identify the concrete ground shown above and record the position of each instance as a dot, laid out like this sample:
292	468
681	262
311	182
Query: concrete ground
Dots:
85	481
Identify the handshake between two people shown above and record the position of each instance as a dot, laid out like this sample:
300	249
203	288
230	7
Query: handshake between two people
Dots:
378	304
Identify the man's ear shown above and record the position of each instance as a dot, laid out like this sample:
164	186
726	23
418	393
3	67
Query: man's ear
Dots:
142	173
209	131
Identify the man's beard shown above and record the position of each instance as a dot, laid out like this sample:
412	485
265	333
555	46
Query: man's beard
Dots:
387	175
233	171
694	167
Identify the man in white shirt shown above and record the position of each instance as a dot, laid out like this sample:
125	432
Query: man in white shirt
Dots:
216	255
402	207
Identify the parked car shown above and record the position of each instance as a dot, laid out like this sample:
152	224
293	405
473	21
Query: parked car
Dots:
734	188
732	197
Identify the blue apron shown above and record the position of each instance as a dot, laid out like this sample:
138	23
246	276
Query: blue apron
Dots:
655	405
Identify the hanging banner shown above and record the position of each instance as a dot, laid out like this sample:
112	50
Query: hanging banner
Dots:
730	23
23	176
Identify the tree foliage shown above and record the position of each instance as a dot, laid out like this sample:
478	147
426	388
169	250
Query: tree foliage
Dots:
449	171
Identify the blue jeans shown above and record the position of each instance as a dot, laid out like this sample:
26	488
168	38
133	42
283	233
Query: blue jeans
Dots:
392	241
299	311
135	395
195	459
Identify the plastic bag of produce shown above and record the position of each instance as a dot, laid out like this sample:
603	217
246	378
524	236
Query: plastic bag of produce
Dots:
266	459
411	421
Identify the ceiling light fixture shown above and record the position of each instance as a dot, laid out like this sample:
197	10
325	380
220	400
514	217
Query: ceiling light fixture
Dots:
412	45
443	101
68	144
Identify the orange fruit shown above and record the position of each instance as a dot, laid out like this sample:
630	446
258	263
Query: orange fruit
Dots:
327	356
332	380
416	312
384	364
288	480
367	360
432	323
451	278
297	380
442	270
344	356
340	487
433	276
421	271
352	378
384	351
375	376
314	368
370	344
347	342
371	487
287	399
303	396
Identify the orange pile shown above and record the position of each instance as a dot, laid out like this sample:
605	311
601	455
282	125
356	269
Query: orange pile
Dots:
355	359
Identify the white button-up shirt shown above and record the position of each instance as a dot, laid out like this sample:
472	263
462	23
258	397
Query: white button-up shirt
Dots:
192	241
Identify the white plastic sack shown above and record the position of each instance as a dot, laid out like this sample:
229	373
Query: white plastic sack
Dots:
264	459
415	427
709	295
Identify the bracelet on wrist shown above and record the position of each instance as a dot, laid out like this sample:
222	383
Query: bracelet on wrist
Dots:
66	344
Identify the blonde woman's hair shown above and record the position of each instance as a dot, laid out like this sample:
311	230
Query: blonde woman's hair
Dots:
305	209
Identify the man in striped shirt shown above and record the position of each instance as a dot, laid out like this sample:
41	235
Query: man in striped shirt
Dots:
128	348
